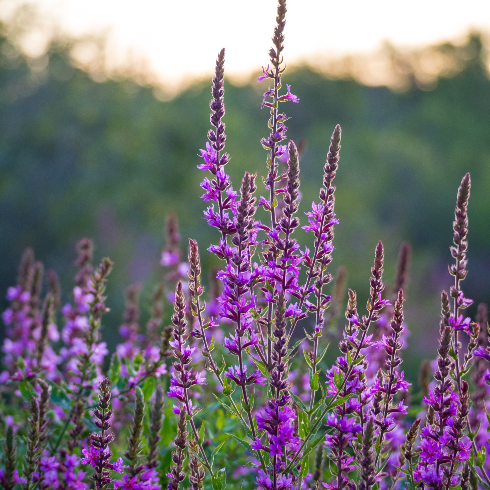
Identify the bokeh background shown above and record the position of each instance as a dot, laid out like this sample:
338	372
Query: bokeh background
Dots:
103	111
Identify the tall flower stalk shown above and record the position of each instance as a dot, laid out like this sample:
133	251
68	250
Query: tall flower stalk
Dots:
183	378
458	270
99	454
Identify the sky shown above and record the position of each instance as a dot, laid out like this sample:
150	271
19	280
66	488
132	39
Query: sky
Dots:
178	40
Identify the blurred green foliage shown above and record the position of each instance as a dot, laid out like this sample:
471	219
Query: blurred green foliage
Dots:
109	160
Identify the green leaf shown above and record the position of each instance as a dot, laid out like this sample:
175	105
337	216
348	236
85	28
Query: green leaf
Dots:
304	467
244	443
59	397
303	424
169	427
223	367
26	389
402	470
312	445
359	360
473	434
148	387
251	398
298	401
307	359
202	431
295	346
481	457
320	357
213	454
114	368
308	336
218	448
314	378
219	480
220	421
121	383
262	367
228	388
338	379
227	407
313	411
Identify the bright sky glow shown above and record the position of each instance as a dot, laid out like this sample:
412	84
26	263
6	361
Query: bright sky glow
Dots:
179	39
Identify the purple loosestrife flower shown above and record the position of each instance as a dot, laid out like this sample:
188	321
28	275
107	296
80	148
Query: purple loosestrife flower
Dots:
171	254
367	461
9	476
241	378
459	450
288	260
91	351
177	474
198	309
388	384
182	377
347	377
481	393
99	454
279	372
458	270
134	469
197	471
321	222
33	454
218	189
442	442
154	324
277	120
156	422
390	381
275	149
129	330
277	420
29	329
70	476
139	348
378	357
76	315
237	298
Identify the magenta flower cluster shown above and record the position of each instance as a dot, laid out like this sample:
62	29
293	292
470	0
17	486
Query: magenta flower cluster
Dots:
231	389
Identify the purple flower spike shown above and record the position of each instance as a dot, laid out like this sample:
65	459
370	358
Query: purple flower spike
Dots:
182	377
99	454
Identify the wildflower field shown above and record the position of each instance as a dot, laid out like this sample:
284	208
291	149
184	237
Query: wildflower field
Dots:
234	389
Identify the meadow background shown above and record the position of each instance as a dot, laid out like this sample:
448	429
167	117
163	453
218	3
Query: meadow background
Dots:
110	156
